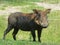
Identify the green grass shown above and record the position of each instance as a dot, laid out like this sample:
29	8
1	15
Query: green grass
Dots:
12	42
15	2
25	2
23	42
6	3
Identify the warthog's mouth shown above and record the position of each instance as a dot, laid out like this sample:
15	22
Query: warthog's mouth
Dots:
44	25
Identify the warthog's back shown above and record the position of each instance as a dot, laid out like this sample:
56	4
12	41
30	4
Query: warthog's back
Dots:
22	20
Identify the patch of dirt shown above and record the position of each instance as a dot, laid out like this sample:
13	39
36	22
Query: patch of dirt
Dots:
12	9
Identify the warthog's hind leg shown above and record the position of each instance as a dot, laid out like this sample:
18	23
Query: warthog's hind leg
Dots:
15	32
7	30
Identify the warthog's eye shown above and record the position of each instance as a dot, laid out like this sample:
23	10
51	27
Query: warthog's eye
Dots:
39	15
37	19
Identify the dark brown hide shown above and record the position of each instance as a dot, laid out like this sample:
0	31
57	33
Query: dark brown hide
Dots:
27	22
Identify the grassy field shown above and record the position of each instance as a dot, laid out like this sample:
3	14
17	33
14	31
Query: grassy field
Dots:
24	2
23	42
50	35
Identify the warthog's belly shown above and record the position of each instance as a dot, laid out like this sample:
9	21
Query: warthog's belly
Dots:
26	24
25	27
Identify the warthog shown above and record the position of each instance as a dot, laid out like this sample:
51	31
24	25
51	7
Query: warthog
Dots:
27	22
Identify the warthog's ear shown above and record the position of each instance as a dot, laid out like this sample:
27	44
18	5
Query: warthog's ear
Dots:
48	10
35	11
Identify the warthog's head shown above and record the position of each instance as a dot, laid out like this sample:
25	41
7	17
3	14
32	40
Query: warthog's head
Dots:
41	17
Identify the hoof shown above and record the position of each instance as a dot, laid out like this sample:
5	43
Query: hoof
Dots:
39	41
34	40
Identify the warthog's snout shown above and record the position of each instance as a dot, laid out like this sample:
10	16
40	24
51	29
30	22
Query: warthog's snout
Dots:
44	25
